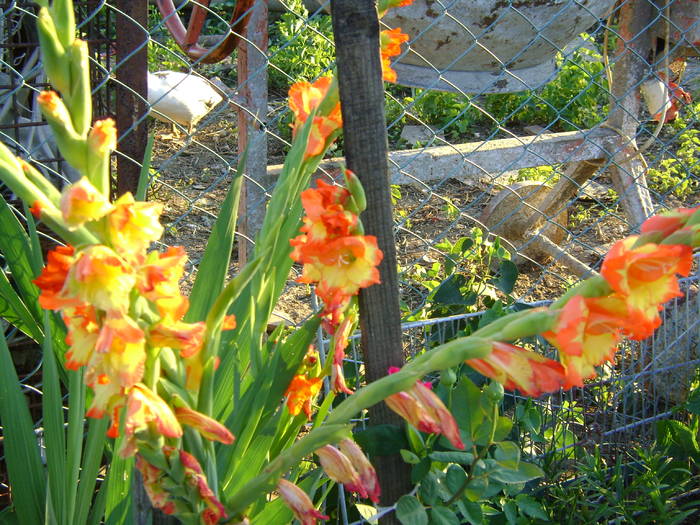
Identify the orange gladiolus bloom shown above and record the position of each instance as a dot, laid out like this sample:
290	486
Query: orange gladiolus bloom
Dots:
178	335
35	209
81	202
208	427
299	503
101	278
390	42
668	223
342	266
423	409
52	279
194	476
83	332
147	410
645	278
304	98
368	476
134	225
517	368
102	138
300	392
587	333
325	216
152	482
158	281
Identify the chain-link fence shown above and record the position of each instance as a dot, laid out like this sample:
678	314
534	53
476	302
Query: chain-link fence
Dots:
525	138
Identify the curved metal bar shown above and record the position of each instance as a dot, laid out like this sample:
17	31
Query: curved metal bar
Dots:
187	38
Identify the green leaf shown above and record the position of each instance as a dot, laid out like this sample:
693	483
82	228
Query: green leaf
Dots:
472	511
503	428
15	312
118	498
531	507
466	406
420	470
54	434
524	472
692	405
212	270
409	457
507	275
429	489
443	516
476	489
409	511
455	478
14	246
24	466
507	453
463	458
449	292
381	440
511	512
144	174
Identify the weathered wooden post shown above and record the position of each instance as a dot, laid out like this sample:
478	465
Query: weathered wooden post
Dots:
132	90
631	69
356	32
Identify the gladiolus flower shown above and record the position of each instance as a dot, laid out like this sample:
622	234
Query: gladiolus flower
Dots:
102	138
384	5
325	216
342	266
301	391
81	202
668	223
517	368
195	477
208	427
645	278
304	98
178	335
340	342
425	411
83	332
134	225
53	107
390	42
299	503
101	278
145	409
365	470
587	333
152	482
35	209
158	281
52	279
337	466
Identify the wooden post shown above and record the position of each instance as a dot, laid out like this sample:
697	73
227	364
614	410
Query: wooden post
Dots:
356	32
132	90
630	70
252	84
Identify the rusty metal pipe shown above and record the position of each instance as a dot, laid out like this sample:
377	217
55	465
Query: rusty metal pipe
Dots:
187	38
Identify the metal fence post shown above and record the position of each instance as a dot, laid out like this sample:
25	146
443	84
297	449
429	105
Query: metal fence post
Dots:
356	31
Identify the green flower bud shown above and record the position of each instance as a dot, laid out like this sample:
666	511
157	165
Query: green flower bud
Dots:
494	391
53	52
448	377
79	98
64	17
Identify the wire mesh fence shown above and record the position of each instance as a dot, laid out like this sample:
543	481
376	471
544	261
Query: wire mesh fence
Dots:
525	138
